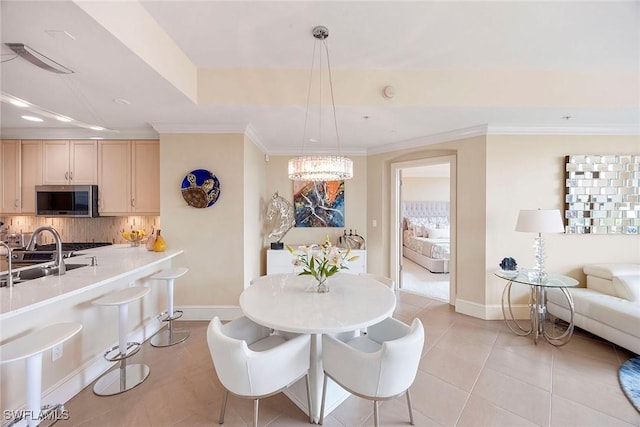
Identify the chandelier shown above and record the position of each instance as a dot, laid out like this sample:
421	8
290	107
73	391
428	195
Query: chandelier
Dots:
326	167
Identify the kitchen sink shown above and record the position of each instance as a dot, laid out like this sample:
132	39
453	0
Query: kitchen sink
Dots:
36	272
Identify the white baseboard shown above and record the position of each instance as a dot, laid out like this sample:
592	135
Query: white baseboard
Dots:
208	312
489	312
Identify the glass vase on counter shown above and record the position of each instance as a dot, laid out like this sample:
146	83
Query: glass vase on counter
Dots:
159	245
151	240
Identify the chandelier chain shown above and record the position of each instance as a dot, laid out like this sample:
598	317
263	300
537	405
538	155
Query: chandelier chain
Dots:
333	102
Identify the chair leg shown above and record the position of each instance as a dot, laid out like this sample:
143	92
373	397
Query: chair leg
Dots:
255	412
309	400
224	406
376	418
324	395
410	409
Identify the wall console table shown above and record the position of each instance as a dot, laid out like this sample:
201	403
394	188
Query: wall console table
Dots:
280	261
537	305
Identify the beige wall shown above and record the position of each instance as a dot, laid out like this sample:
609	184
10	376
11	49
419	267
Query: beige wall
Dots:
213	237
255	199
527	172
427	189
496	177
470	159
355	201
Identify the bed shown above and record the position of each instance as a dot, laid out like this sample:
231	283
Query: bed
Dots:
425	234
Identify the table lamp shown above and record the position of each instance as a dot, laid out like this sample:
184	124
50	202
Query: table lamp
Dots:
540	221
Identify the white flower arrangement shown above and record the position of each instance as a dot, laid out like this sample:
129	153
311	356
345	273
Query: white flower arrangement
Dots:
321	261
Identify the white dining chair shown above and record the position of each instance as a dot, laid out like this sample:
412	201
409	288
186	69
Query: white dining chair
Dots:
253	363
379	366
382	279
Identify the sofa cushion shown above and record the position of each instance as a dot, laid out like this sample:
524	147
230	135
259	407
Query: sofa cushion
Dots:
627	287
618	280
609	270
615	312
604	286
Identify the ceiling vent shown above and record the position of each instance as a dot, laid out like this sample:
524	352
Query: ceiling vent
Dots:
36	58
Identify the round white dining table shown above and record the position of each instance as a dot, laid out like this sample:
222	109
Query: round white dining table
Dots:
290	303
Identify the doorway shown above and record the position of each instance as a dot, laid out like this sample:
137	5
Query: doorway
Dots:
423	227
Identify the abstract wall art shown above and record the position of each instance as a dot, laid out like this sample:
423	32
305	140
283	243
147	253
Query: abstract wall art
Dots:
318	204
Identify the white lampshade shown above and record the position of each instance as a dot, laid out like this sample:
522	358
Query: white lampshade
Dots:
540	221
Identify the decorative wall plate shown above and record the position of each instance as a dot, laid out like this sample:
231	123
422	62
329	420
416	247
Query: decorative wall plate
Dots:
200	188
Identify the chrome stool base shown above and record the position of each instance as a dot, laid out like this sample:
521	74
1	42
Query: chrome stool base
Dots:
169	337
121	379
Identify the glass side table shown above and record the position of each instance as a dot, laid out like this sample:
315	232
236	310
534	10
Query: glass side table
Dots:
537	304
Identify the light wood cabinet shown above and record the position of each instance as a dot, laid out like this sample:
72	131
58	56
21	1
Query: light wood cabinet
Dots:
114	177
146	177
9	176
128	177
31	151
70	162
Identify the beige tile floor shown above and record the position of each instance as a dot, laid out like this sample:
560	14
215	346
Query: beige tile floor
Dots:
472	373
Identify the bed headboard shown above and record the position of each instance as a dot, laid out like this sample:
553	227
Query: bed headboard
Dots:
417	209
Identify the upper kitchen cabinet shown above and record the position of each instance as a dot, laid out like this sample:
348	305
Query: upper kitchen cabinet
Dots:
146	176
70	162
31	173
9	176
129	177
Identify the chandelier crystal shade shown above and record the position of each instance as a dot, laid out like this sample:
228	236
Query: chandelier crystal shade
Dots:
321	167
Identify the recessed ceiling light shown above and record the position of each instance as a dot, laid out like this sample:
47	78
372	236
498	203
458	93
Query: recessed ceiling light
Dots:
96	128
32	118
121	101
19	103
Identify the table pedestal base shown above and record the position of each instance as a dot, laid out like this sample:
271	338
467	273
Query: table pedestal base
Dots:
298	391
537	315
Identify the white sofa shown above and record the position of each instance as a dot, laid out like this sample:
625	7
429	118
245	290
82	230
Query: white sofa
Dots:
609	306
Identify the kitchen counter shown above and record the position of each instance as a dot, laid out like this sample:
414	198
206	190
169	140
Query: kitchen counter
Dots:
114	262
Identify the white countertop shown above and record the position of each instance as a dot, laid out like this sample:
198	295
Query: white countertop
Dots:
114	262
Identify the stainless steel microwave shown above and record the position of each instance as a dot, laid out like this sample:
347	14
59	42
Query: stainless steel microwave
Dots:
67	200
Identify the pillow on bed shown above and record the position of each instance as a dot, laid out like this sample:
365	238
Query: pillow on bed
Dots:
437	233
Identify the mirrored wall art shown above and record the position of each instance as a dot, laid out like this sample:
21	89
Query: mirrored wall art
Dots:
602	194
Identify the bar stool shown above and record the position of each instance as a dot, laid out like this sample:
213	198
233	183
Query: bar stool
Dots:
168	337
126	376
30	348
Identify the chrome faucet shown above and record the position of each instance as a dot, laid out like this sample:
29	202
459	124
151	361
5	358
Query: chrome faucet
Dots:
59	267
9	272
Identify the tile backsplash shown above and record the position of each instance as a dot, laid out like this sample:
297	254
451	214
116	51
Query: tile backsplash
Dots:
101	229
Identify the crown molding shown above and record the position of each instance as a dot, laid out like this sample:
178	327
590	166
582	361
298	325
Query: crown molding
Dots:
199	128
296	151
431	139
251	133
499	129
75	133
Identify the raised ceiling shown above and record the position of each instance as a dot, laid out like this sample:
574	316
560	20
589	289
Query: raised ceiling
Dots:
233	66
